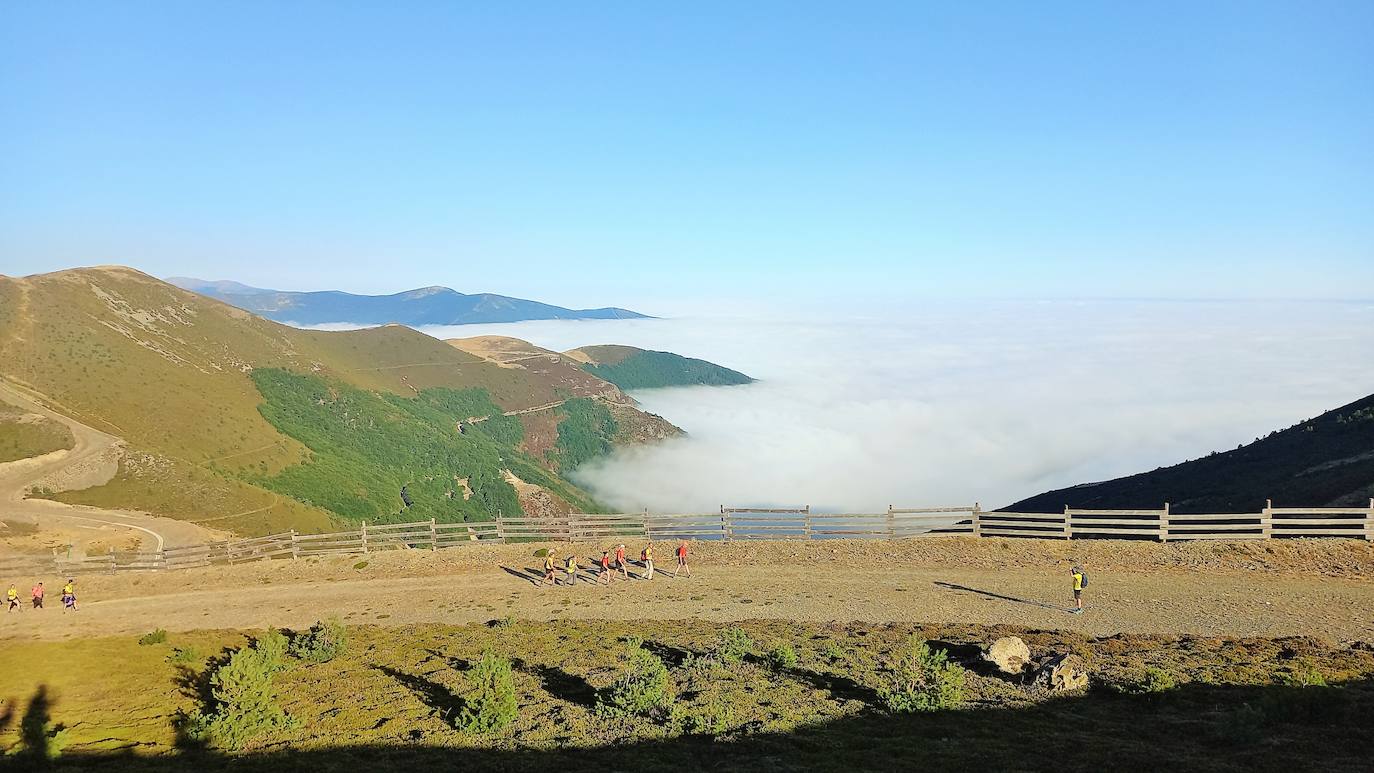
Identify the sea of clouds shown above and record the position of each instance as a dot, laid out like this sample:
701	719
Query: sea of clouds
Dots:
950	403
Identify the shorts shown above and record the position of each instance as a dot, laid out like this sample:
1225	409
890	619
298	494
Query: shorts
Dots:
1078	594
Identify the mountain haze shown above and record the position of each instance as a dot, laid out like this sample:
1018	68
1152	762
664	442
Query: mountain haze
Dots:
423	306
1327	461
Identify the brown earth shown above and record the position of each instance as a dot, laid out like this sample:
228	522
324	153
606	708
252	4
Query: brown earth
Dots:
1322	588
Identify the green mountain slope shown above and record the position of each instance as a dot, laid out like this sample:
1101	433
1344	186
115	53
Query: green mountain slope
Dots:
631	368
181	379
1328	461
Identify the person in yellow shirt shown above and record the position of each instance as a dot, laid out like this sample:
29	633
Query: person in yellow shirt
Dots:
1080	581
549	577
647	556
12	597
69	596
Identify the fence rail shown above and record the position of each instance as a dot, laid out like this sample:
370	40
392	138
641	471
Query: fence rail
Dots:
734	523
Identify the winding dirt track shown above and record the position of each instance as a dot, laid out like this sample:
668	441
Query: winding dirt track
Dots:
89	463
779	581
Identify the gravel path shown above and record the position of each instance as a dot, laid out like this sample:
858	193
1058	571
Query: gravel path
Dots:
796	581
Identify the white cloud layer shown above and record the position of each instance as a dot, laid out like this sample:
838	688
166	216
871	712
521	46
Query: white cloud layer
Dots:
945	404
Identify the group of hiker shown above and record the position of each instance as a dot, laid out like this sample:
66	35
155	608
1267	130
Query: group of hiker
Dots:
610	563
36	594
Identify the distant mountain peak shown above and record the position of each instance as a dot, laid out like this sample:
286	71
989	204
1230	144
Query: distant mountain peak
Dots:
434	305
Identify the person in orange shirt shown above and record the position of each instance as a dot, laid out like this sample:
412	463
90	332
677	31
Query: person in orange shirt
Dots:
620	561
605	567
37	594
682	560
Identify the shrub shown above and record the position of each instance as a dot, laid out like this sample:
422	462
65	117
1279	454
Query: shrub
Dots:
782	656
324	641
643	690
184	656
1302	673
733	645
712	718
273	646
834	651
923	679
490	704
153	637
1150	680
243	701
360	565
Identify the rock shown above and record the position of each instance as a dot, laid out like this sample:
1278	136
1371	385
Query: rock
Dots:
1061	672
1010	654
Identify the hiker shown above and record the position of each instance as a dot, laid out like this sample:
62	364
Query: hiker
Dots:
1080	581
69	596
12	596
647	556
37	594
682	560
620	560
570	566
605	567
548	569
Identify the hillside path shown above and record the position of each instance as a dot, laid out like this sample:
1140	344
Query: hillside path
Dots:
295	594
90	462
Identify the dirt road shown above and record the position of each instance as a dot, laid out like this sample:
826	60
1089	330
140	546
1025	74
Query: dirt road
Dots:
780	581
90	462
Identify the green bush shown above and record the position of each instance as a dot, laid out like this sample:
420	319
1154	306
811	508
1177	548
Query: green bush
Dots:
1149	680
185	656
153	637
490	703
324	641
1301	673
782	656
711	718
834	651
922	679
644	689
243	701
733	645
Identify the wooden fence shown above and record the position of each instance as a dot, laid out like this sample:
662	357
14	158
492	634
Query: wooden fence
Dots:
732	524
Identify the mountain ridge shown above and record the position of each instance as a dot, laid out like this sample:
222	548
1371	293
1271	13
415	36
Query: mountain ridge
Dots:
433	305
1324	461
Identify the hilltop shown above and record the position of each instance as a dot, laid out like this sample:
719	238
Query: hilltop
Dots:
1327	461
631	368
250	425
423	306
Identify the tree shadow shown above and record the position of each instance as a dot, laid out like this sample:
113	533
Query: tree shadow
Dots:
673	656
432	694
998	596
563	685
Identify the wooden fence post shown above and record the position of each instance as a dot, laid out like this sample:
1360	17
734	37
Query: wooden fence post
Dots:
1164	524
891	532
295	546
1267	520
433	535
364	536
112	560
1369	521
977	520
1068	523
500	532
724	525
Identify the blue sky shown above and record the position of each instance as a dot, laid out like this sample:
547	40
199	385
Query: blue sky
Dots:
636	154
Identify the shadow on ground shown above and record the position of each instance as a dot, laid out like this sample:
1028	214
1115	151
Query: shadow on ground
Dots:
1194	727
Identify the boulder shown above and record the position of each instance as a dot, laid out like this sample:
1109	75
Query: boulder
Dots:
1061	672
1010	655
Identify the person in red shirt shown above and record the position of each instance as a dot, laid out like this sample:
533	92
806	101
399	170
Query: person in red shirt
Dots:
620	561
605	567
682	560
37	594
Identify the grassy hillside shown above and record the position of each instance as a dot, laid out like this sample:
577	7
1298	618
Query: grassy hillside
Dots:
1328	460
172	373
630	368
775	696
365	446
24	434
